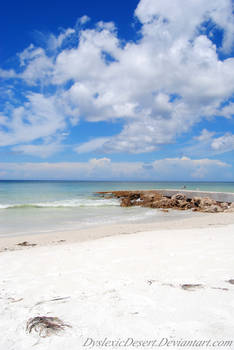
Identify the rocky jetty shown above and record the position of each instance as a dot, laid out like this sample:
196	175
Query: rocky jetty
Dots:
179	201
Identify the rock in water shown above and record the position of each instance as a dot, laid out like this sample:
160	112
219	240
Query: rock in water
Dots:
179	201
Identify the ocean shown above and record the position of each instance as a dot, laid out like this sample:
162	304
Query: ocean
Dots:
28	207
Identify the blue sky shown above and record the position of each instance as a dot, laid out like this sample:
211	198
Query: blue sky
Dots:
140	90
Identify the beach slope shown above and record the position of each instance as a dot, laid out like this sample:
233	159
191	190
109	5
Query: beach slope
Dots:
171	284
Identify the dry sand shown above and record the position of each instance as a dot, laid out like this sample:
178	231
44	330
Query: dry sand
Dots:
122	286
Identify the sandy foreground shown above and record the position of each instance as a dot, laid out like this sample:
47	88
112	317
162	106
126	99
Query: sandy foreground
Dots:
124	288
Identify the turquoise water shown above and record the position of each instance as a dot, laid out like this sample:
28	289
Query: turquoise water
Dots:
44	206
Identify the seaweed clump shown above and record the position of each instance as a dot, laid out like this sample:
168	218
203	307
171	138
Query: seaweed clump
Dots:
45	326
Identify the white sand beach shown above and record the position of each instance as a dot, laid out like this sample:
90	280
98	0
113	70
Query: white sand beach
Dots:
123	287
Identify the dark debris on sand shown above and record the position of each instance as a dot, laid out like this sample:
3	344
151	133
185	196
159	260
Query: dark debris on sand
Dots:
45	326
26	244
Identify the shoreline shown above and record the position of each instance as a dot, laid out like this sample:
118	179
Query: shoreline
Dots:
196	221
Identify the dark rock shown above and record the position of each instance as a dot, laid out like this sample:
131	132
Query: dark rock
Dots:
179	197
196	202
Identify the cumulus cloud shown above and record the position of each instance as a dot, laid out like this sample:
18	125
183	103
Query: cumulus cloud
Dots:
185	167
223	144
39	117
159	86
211	144
103	168
205	136
183	18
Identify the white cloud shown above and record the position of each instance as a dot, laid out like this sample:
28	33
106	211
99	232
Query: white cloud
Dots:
92	145
100	162
208	143
159	86
186	168
205	136
55	42
37	65
84	19
227	111
43	150
29	54
103	168
7	74
224	143
94	169
182	18
39	117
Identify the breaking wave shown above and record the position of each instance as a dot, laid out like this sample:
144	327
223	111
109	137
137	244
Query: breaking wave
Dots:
71	203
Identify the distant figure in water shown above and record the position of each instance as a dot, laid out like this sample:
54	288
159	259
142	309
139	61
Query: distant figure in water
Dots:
184	187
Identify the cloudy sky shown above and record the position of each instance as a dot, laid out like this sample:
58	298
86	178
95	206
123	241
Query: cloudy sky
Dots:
117	90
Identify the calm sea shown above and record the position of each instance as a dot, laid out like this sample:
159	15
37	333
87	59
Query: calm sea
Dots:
47	206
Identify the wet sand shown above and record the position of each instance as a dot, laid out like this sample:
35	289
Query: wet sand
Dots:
197	220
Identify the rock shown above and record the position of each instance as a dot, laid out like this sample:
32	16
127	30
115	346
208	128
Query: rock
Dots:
146	199
213	209
164	203
134	196
207	205
206	202
196	201
150	196
189	205
196	209
121	194
155	204
229	210
183	204
126	202
136	202
224	205
179	197
179	201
